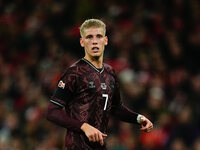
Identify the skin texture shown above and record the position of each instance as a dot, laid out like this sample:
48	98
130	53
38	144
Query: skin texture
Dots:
94	42
93	134
146	124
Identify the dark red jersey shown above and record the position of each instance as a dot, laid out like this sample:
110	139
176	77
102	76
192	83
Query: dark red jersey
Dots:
89	95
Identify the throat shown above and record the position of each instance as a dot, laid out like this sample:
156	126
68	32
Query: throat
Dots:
97	62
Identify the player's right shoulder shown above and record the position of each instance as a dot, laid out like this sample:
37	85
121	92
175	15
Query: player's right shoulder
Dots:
73	68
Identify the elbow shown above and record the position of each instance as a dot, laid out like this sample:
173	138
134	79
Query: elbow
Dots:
48	114
51	112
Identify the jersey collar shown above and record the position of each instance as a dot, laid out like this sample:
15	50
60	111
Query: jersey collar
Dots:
89	63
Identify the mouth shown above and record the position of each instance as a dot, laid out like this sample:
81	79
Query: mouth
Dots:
95	49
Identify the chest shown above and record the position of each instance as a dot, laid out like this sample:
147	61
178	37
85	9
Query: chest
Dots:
95	91
96	83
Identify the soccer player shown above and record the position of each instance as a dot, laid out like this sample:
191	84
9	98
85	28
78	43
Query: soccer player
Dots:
88	94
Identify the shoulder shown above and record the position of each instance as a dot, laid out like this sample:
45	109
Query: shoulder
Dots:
77	68
73	69
109	69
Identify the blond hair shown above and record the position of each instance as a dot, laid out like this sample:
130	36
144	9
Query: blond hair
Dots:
92	23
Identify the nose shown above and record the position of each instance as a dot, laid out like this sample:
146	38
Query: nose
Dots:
94	41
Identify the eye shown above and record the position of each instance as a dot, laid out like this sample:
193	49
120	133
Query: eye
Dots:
89	37
99	36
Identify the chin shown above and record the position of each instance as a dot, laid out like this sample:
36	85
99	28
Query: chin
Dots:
96	57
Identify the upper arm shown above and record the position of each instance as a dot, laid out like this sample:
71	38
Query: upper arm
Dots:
117	96
65	88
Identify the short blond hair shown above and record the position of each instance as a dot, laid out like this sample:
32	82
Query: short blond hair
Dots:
92	23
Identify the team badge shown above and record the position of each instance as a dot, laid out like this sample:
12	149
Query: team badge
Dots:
61	84
103	86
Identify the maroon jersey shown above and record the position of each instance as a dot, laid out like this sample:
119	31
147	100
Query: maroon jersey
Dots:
89	95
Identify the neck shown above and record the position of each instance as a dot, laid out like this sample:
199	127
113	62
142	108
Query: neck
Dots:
97	62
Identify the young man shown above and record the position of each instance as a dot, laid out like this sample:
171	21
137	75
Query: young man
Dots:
88	94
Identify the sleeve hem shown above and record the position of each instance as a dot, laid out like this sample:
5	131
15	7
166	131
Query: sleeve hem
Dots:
52	101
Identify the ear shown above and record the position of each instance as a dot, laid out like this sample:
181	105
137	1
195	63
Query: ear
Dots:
81	42
106	40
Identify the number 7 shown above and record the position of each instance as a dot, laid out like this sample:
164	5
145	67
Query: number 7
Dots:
106	96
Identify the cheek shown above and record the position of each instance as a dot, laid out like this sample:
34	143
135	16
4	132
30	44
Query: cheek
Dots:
104	43
85	44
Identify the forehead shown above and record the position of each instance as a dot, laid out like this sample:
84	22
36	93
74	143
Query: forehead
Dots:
93	31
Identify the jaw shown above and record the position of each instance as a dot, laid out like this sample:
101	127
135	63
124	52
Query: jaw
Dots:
94	55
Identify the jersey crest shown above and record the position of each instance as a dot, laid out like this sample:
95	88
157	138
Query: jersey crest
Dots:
103	86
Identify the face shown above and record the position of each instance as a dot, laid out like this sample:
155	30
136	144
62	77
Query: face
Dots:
94	42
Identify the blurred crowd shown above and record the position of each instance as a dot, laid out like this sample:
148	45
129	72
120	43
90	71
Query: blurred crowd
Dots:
154	46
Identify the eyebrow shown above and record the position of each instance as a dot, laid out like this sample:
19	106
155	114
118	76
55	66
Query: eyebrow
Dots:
90	35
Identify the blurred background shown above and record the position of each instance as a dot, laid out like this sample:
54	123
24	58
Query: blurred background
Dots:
154	46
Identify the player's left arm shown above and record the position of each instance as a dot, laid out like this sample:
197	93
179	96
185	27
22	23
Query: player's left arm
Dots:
146	124
123	113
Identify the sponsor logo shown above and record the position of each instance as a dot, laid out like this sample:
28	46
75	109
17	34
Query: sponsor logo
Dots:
61	84
91	85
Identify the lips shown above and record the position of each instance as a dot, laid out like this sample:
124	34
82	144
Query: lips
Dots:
95	49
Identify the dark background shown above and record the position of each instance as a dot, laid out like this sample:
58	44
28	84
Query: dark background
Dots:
154	46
